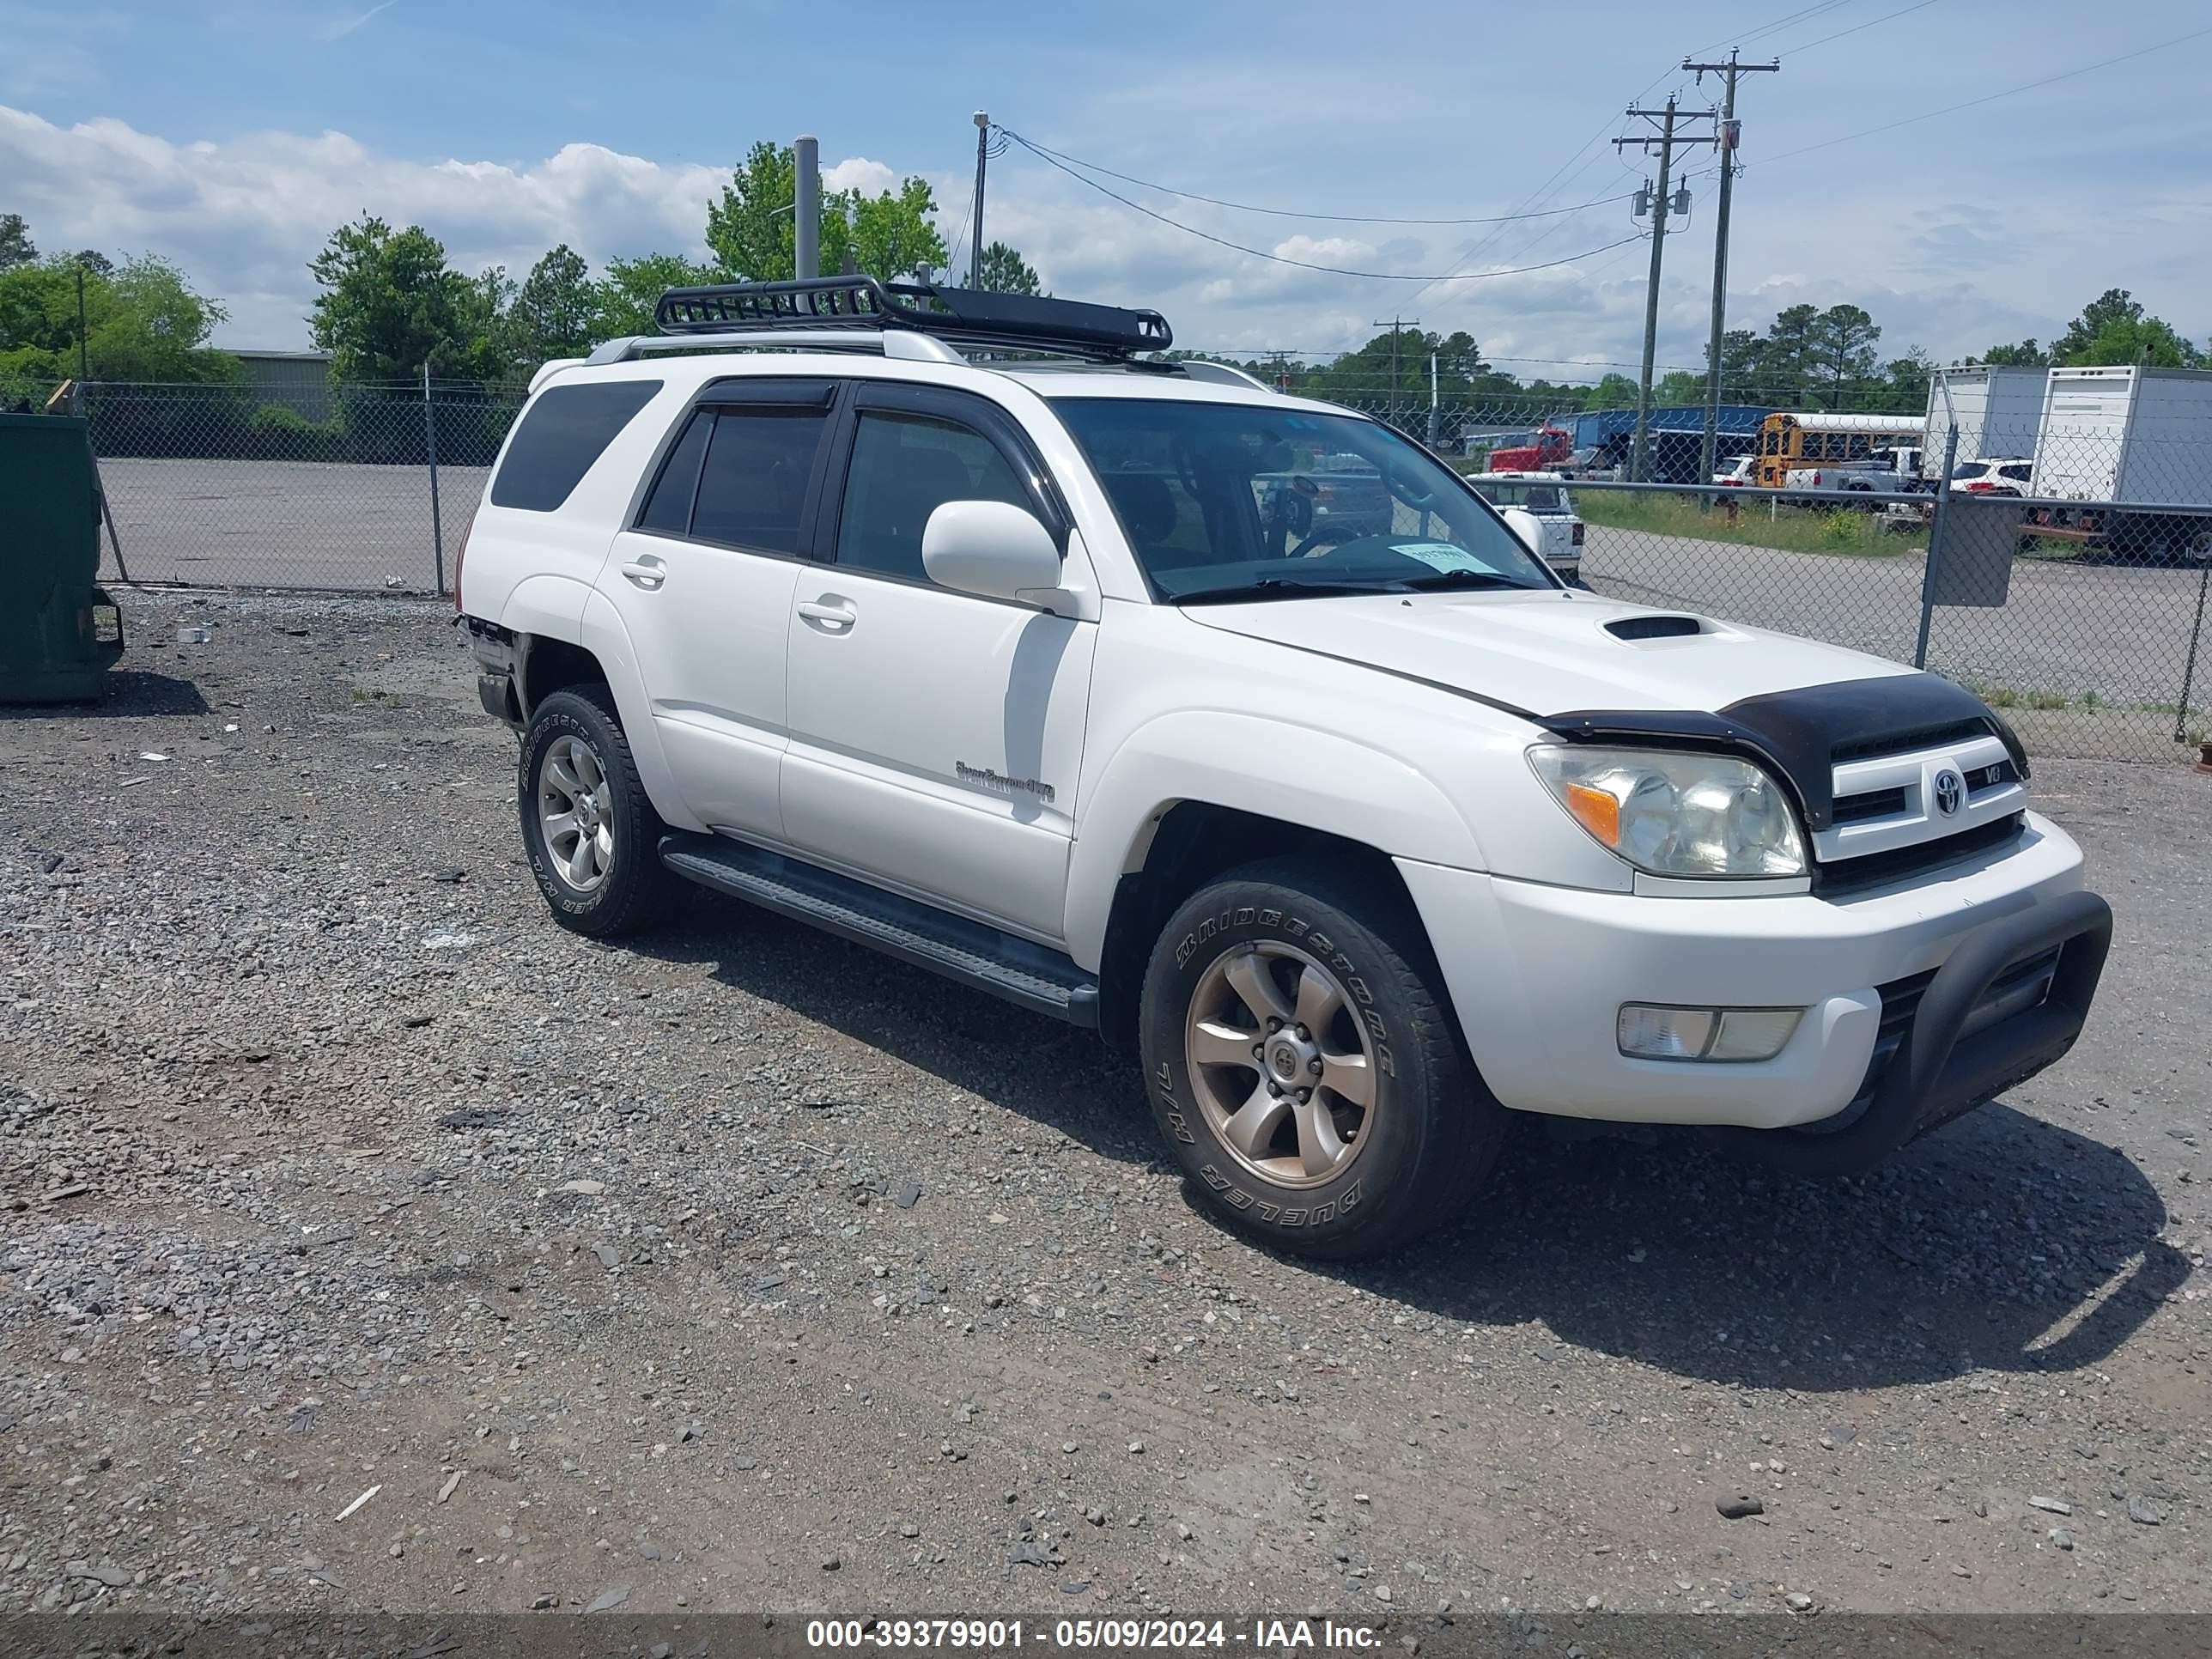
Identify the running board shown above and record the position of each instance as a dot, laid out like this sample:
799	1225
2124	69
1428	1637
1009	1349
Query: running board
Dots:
1029	974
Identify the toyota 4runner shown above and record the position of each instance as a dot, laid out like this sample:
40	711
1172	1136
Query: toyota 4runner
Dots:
965	627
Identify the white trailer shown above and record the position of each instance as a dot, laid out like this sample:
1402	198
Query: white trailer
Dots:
2136	435
1999	410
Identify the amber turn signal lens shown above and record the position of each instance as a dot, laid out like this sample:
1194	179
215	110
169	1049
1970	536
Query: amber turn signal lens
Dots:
1596	810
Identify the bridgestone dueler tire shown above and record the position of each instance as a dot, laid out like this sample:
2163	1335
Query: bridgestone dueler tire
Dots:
1435	1128
637	887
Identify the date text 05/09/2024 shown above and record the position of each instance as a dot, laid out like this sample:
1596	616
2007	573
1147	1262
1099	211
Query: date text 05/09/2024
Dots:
1108	1635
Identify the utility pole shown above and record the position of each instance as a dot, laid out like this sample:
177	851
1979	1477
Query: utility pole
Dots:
1668	139
975	244
83	361
1396	324
806	208
1727	133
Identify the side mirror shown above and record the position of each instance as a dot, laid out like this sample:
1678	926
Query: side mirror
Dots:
1523	523
990	548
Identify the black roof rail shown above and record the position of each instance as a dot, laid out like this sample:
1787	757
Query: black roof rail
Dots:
966	316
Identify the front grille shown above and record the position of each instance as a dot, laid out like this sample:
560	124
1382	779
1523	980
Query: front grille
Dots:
2013	991
1993	776
1904	743
1874	804
1841	879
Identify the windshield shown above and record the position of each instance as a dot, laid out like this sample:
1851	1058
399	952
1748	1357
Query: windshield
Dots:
1239	500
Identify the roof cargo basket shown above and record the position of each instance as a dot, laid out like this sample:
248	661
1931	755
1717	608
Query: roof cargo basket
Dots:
963	316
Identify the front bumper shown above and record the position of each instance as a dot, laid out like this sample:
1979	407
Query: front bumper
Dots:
1890	981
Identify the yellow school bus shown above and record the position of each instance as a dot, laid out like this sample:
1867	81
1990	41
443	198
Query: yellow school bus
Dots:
1818	438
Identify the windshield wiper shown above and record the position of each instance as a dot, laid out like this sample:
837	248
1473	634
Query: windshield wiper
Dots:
1270	585
1460	579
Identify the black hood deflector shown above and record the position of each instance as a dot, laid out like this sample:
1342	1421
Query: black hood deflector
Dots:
1801	735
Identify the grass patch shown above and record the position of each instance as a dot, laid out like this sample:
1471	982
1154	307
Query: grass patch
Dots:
1794	529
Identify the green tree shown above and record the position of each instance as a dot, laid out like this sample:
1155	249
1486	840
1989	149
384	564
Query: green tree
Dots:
552	311
17	248
1841	352
622	300
2114	306
1004	270
93	261
751	231
1679	386
145	322
1789	347
1905	380
1613	391
1743	366
391	304
2025	354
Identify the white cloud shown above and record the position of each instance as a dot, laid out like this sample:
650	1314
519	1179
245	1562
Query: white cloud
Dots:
340	26
245	214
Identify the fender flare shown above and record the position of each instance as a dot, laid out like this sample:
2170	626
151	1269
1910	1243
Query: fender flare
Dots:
1371	797
603	635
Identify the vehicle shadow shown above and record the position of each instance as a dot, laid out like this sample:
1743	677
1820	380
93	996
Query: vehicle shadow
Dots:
1059	1077
2000	1243
129	693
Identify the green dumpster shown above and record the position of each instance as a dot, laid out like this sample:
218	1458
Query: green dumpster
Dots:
60	630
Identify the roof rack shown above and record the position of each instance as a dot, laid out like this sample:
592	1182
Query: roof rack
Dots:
962	316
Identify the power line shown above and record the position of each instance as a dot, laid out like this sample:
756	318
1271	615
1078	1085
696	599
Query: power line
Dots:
1991	97
1790	22
1288	213
1918	5
1306	265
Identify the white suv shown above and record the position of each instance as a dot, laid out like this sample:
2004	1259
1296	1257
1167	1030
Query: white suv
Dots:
1008	668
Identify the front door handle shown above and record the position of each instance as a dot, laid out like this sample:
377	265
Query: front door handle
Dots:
831	614
647	571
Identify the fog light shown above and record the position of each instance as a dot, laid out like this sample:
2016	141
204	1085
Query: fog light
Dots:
1648	1030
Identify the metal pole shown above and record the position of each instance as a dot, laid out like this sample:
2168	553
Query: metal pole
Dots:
1435	415
806	208
1727	135
430	440
2189	668
1720	279
976	241
83	370
1638	462
1935	545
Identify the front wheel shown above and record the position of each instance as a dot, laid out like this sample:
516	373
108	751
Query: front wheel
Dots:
1304	1068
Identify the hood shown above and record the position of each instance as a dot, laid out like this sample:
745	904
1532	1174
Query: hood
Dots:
1549	651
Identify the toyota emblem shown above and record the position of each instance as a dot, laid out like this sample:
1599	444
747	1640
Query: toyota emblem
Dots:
1950	792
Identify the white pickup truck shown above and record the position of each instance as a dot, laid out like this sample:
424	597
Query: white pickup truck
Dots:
1360	842
1886	472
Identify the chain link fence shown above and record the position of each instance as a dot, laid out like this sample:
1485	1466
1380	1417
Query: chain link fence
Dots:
2044	537
364	486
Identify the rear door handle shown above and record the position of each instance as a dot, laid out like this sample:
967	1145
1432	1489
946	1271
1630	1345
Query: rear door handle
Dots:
832	616
647	571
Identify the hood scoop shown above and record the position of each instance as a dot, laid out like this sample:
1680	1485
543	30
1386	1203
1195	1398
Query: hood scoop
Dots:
1654	627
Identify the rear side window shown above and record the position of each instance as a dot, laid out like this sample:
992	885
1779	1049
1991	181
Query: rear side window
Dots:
752	488
563	433
2018	472
669	508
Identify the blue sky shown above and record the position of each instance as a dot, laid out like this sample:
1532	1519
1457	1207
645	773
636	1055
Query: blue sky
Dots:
232	137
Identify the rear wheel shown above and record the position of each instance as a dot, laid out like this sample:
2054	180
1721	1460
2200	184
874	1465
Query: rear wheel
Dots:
1304	1068
590	831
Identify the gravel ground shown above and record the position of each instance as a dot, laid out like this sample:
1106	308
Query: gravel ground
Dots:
370	1243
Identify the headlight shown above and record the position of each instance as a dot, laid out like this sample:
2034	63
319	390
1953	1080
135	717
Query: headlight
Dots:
1677	813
